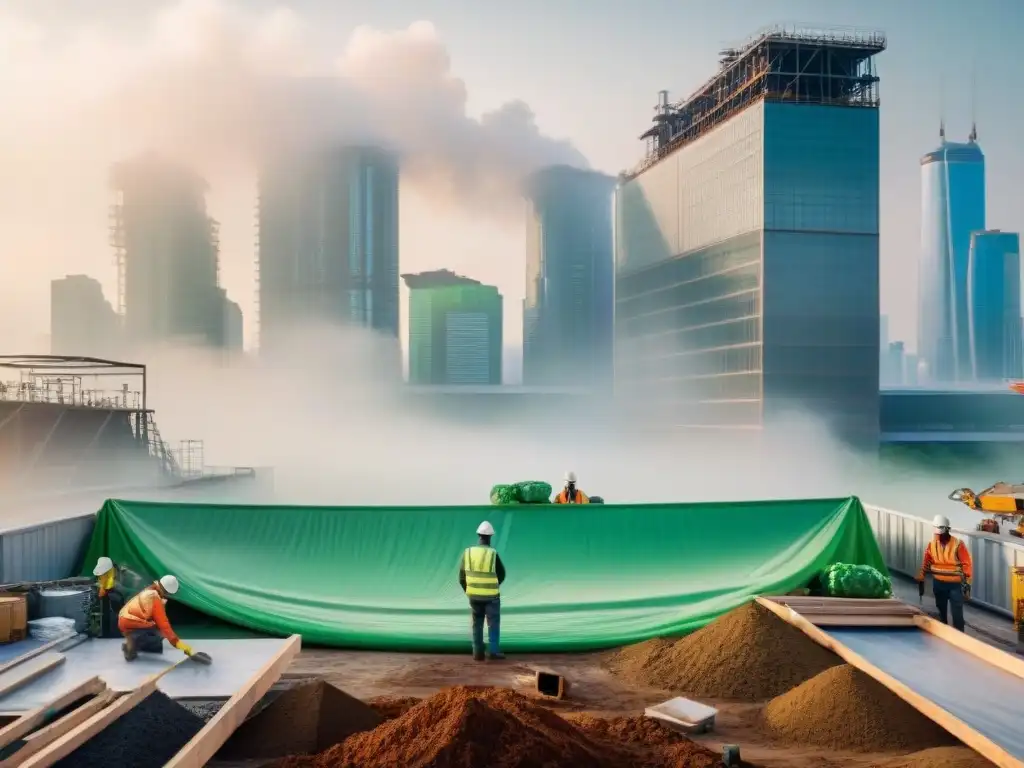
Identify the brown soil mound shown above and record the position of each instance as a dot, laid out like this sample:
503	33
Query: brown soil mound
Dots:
306	719
390	707
464	726
842	708
653	744
939	757
748	654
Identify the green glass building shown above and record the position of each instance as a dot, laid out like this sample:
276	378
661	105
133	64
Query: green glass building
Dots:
454	329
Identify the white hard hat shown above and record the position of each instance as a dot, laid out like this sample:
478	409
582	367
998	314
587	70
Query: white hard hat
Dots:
570	477
169	584
485	529
103	565
941	521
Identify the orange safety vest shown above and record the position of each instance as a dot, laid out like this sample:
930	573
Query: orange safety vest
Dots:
563	497
145	611
946	564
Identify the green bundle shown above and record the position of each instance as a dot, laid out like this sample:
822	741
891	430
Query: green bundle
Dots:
504	494
596	500
859	581
533	492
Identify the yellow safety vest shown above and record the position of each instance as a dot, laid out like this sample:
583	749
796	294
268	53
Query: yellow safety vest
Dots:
480	565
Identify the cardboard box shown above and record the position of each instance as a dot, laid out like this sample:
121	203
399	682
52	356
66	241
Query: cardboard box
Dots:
13	618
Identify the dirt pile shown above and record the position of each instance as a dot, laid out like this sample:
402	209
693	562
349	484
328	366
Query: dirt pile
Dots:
465	726
748	654
653	744
149	734
842	708
939	757
390	707
306	719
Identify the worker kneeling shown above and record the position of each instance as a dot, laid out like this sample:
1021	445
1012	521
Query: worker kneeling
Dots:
948	560
571	494
143	621
480	576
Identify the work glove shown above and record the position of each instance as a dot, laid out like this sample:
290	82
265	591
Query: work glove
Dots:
967	591
184	648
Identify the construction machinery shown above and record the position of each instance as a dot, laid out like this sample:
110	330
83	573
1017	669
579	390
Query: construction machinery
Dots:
1004	501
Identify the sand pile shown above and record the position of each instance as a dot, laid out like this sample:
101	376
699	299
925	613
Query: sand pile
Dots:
939	757
748	653
651	742
305	719
842	708
390	707
149	734
464	726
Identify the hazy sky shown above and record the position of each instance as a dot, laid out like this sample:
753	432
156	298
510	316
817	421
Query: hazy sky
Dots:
588	69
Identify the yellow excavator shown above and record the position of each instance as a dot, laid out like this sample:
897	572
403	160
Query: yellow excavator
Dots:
1003	500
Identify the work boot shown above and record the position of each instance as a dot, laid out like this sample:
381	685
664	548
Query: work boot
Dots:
130	654
497	656
478	655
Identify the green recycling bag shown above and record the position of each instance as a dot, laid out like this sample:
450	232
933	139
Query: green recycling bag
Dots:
856	581
533	492
504	494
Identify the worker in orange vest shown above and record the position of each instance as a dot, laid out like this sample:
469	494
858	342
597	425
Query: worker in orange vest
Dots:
571	494
143	621
948	560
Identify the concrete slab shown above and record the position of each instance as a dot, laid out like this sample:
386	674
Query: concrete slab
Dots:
11	651
234	662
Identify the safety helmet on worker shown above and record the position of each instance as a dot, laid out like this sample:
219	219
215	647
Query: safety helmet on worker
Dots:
940	521
570	477
169	584
103	565
485	529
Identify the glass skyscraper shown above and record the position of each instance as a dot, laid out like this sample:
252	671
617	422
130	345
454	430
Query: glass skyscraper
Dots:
952	207
993	291
747	243
567	312
455	330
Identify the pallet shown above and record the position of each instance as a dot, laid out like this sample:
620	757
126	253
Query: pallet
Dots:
850	612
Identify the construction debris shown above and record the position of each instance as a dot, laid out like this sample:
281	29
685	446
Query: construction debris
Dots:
746	654
844	709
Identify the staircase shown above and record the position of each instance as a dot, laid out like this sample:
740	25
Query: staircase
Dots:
158	448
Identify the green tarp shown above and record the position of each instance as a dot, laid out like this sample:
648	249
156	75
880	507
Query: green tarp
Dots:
579	576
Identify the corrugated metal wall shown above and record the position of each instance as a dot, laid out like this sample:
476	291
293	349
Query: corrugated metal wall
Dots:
44	552
902	539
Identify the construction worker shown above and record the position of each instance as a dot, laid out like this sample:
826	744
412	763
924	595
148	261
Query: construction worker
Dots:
143	621
109	598
948	560
481	573
571	494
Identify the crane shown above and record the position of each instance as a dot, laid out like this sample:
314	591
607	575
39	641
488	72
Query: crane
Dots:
1002	500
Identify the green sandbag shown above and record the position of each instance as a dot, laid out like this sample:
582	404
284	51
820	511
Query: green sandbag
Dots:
856	581
533	492
504	494
596	500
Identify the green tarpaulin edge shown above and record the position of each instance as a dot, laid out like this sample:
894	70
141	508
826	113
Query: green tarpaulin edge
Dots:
580	577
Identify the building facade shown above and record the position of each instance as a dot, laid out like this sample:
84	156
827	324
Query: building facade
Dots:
952	207
569	300
328	242
82	321
994	316
455	330
747	244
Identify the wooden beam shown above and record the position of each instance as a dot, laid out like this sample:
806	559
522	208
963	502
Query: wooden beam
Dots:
204	745
41	650
857	620
64	745
25	679
929	709
37	717
1014	665
38	741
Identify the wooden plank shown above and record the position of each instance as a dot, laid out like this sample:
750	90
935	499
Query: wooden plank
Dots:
41	650
858	620
77	736
997	658
38	741
844	605
204	745
929	709
39	671
37	717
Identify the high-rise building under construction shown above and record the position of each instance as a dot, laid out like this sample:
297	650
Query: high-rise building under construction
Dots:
167	251
747	242
328	242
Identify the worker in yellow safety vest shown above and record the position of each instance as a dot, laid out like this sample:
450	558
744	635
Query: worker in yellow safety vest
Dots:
109	596
481	573
948	560
571	494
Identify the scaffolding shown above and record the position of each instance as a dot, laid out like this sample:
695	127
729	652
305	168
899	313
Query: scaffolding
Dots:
783	64
117	243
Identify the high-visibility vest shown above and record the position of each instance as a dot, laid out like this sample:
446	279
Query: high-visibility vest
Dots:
564	498
946	565
141	607
480	566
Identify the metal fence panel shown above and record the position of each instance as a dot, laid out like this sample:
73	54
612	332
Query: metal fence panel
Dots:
44	552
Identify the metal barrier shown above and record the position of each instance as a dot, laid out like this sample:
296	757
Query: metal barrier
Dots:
902	539
45	552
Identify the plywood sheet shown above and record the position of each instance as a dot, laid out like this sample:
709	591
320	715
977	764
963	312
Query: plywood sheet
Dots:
234	662
979	694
